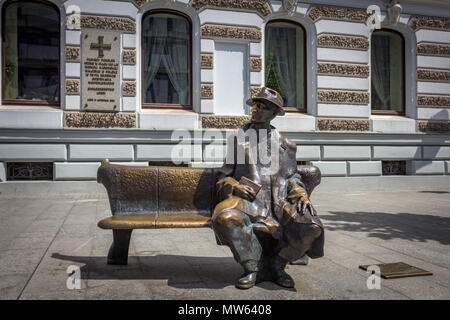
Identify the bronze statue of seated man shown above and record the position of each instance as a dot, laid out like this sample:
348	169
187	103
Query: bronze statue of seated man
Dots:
264	213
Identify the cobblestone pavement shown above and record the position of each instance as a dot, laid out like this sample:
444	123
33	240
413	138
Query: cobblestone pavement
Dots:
42	235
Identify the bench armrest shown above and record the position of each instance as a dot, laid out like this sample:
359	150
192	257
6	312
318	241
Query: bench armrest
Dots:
311	176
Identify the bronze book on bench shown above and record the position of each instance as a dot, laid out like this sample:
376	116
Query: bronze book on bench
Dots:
252	184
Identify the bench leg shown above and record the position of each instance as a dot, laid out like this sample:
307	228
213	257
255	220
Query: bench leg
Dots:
118	253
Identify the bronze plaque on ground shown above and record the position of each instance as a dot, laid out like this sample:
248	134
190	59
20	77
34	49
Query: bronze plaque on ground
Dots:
398	270
100	78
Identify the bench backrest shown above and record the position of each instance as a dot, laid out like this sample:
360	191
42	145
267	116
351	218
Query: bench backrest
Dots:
153	190
134	190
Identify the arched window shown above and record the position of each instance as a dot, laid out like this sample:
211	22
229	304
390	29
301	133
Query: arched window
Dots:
166	60
31	40
285	61
387	72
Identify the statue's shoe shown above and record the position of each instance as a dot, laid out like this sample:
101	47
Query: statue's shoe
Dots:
281	278
246	281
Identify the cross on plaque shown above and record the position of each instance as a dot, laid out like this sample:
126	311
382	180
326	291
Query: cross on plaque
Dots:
100	46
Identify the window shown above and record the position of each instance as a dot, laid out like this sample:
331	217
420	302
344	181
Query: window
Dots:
387	72
166	60
31	36
285	61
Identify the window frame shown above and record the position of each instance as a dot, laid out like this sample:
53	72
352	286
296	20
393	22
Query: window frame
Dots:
30	102
305	58
390	112
146	105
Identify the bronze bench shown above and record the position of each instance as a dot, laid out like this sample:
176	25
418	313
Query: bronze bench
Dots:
162	197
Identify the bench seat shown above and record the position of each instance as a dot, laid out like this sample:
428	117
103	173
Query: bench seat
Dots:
187	220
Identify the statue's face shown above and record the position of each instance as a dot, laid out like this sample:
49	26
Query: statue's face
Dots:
262	113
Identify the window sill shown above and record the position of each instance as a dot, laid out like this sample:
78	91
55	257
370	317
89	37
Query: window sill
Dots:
168	119
392	124
295	122
18	107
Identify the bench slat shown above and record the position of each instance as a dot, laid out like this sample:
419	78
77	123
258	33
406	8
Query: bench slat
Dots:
187	220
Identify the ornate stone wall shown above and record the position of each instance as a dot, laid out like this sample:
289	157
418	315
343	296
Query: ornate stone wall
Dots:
129	57
433	49
327	124
231	32
433	101
343	69
337	13
424	74
224	122
434	126
72	86
129	88
434	23
330	40
99	120
206	61
255	64
72	54
260	6
125	24
343	96
207	91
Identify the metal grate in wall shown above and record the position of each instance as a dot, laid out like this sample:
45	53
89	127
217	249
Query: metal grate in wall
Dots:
29	171
393	168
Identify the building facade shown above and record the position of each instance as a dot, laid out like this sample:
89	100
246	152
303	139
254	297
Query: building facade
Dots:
366	83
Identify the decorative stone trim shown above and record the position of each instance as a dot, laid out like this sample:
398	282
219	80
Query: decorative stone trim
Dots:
125	24
424	74
231	32
140	3
434	126
206	61
343	69
72	86
261	6
224	122
343	96
434	23
254	90
72	54
255	64
207	91
129	88
99	120
433	49
433	101
337	13
343	124
129	57
331	40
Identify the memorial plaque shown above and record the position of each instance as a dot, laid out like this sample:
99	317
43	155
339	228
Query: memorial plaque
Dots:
100	78
398	270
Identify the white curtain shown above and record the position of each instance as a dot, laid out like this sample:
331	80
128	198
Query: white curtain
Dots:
281	43
380	60
176	61
166	43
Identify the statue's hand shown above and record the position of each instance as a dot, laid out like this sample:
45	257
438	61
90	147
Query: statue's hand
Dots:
299	195
244	192
303	204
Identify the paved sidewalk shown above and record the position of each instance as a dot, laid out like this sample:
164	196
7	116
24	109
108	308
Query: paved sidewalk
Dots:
42	235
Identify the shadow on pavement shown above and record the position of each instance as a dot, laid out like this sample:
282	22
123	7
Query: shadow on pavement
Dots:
382	225
183	272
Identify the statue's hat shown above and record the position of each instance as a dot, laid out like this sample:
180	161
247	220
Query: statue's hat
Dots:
269	95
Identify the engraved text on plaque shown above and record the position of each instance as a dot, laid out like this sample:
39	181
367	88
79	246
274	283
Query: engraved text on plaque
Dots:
100	79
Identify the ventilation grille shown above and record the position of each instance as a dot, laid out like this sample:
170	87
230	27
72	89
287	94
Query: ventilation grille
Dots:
29	171
393	168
